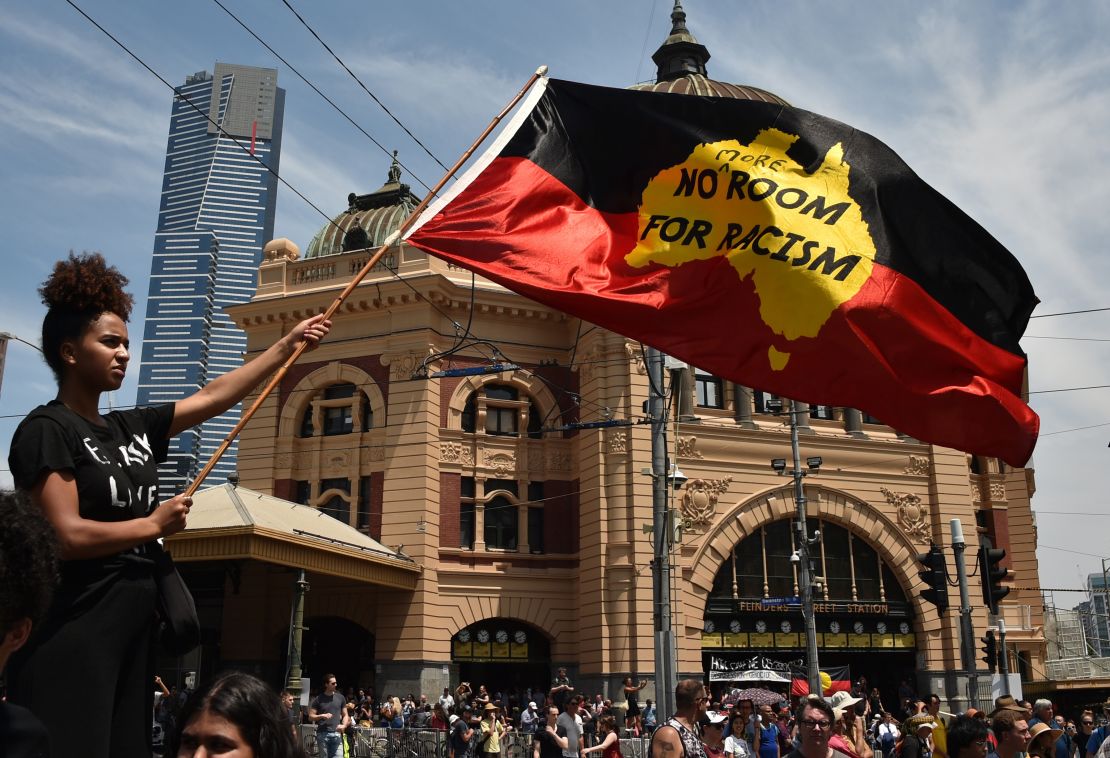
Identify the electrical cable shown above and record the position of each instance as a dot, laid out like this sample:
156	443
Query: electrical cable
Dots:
364	87
1074	339
1070	389
647	36
1069	313
316	89
1076	429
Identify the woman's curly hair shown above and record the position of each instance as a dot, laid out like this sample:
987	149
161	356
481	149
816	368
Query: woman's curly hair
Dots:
79	290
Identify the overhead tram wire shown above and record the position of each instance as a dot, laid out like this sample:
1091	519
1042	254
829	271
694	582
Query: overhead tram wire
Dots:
1070	389
327	99
1072	339
270	170
1069	313
364	87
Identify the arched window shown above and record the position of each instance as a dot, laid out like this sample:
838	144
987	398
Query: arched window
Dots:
852	569
334	409
499	518
504	410
502	523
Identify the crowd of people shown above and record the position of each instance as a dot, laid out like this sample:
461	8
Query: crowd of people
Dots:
843	726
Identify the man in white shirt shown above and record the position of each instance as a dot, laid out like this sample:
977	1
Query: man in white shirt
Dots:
446	700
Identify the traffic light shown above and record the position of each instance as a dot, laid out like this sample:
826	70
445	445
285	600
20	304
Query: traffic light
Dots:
991	574
990	648
935	577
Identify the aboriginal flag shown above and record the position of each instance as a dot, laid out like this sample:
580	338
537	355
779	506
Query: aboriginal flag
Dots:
833	679
767	245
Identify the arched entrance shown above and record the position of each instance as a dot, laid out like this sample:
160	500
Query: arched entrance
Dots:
506	655
339	646
752	613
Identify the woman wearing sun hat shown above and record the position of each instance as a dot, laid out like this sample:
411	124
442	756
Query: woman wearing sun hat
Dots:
1042	740
491	731
917	738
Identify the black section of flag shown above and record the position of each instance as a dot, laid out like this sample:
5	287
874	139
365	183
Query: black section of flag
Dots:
607	144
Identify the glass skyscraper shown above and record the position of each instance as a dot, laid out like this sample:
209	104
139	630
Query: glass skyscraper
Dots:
216	213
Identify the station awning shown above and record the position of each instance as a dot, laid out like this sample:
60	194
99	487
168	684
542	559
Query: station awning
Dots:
235	523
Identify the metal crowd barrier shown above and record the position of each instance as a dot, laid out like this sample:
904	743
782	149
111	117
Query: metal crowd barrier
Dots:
377	742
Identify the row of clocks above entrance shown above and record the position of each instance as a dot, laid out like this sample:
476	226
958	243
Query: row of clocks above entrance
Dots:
484	635
786	626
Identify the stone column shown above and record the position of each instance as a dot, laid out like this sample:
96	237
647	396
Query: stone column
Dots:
853	423
742	406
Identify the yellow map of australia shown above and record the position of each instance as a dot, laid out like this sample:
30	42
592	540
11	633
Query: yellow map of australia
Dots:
798	235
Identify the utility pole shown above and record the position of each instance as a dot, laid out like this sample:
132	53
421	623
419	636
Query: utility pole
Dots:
300	587
666	659
967	635
805	568
1003	661
800	558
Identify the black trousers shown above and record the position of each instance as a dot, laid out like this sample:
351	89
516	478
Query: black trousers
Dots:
102	653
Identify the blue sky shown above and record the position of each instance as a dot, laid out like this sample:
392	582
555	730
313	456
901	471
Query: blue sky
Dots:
1002	106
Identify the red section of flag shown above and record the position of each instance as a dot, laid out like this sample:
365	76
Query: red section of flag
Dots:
254	134
891	349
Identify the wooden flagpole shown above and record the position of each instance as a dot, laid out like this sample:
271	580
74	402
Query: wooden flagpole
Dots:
388	244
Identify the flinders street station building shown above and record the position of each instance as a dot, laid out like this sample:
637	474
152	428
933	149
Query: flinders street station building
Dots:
453	528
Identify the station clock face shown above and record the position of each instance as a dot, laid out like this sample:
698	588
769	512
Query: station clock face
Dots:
502	636
785	627
520	637
904	628
709	626
761	626
834	627
483	635
464	635
881	627
734	626
858	627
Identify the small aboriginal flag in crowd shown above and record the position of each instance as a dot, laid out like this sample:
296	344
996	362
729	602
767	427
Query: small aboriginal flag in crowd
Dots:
766	245
833	679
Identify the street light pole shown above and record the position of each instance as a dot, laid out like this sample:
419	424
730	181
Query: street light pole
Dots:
805	570
666	659
967	634
1003	659
296	633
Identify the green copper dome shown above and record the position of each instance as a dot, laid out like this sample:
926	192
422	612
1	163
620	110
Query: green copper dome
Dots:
368	220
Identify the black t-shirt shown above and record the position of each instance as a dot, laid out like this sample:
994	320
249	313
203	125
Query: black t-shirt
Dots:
115	467
458	732
334	704
548	747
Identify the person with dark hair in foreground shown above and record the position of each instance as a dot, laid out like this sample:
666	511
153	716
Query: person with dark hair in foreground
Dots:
95	478
235	716
967	737
815	720
28	573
